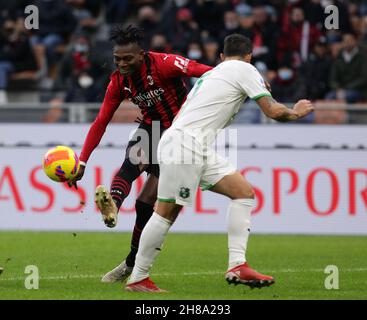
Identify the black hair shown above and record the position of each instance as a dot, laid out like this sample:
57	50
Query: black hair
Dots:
237	45
122	36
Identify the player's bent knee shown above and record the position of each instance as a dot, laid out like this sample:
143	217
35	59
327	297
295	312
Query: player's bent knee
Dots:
244	193
149	199
168	210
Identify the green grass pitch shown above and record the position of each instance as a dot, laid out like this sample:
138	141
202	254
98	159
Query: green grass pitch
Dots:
190	266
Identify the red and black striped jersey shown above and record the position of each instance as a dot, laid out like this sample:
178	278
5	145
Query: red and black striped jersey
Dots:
157	89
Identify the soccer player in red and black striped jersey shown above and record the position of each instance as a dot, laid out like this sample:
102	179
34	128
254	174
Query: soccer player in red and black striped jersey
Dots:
154	82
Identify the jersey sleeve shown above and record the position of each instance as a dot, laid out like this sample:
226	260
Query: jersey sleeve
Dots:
113	98
253	84
173	66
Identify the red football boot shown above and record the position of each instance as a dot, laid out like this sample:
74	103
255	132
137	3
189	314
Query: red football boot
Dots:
145	285
245	275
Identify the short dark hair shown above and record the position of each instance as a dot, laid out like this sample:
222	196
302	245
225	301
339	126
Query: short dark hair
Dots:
237	45
122	36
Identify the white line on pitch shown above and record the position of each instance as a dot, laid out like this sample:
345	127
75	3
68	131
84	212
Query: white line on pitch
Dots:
204	273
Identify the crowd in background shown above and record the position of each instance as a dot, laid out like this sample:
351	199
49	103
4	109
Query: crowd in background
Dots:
69	56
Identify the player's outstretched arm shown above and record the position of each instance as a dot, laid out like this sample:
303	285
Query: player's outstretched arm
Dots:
280	112
111	102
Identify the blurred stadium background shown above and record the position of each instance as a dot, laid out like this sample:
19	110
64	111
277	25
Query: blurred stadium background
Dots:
310	176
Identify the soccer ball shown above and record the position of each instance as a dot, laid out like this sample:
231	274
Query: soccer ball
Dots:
61	164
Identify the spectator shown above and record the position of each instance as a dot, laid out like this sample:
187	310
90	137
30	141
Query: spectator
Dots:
265	38
348	77
287	86
159	43
246	20
196	26
209	15
316	70
356	20
211	54
185	30
149	22
56	23
16	55
83	72
297	38
115	10
194	52
169	15
86	13
83	75
231	24
314	13
334	40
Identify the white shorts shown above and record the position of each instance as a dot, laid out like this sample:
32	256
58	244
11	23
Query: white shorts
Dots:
184	166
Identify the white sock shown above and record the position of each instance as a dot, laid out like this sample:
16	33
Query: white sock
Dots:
150	244
238	223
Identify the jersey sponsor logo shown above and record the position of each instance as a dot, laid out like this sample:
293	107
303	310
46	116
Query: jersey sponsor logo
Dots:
149	98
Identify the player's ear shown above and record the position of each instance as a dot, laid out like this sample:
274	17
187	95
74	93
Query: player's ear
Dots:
248	57
222	57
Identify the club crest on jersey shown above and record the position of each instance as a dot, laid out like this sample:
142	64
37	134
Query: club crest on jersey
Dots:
150	80
184	192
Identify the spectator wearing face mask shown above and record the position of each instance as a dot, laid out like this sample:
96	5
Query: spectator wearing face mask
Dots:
82	76
83	71
194	52
287	86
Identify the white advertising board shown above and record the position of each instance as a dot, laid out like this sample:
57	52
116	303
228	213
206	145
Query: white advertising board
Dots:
299	190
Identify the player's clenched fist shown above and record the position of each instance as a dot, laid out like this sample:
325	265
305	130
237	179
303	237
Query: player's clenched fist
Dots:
303	108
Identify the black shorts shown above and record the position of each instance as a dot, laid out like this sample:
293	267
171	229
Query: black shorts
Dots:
146	139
